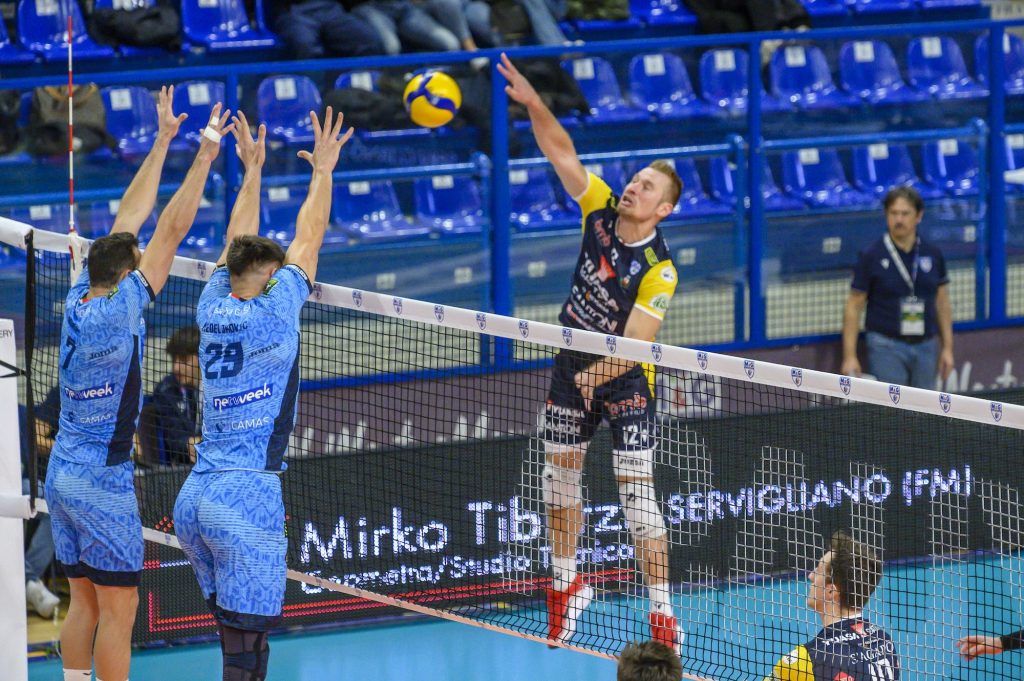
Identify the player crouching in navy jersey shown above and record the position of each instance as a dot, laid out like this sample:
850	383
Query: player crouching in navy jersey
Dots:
229	515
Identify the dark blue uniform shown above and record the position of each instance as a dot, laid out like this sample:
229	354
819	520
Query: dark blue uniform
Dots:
877	276
848	650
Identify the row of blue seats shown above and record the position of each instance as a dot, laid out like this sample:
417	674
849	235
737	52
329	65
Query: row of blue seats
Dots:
450	205
799	77
224	25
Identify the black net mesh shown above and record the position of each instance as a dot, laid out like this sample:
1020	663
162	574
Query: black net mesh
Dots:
415	471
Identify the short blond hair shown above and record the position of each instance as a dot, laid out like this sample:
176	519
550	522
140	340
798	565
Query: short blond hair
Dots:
675	185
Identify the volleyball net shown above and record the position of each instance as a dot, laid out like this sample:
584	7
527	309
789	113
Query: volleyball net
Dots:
415	468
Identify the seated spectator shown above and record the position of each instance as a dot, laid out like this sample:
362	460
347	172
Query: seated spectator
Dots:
544	16
176	399
40	551
398	21
322	28
468	20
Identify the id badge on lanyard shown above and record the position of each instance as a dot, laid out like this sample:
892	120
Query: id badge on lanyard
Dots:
911	307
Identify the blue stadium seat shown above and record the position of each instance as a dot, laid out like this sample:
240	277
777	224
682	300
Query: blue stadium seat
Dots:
880	167
131	118
1014	146
693	201
369	211
196	98
952	165
816	176
724	82
51	217
723	187
663	13
222	26
279	207
598	84
97	219
826	8
936	65
1013	56
801	76
534	204
284	103
12	54
659	82
208	229
450	204
868	69
43	29
361	80
879	6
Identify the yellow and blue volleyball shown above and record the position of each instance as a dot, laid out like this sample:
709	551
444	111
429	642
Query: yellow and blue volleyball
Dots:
432	99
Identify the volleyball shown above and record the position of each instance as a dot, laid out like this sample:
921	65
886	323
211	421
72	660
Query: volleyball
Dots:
432	99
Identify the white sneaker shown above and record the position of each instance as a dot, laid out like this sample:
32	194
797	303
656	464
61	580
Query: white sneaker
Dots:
42	600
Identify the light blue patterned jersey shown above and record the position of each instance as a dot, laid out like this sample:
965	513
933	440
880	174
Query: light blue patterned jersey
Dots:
100	372
249	355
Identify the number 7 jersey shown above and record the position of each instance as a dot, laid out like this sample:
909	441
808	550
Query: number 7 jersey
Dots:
249	357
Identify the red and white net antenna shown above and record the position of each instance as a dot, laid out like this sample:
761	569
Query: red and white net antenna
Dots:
74	241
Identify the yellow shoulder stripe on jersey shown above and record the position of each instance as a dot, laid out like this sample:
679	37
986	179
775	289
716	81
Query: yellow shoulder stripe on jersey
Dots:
657	288
796	666
594	197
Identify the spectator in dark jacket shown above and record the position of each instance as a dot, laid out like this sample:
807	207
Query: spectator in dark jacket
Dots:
176	399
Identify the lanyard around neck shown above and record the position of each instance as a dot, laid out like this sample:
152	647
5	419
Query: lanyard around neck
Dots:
897	262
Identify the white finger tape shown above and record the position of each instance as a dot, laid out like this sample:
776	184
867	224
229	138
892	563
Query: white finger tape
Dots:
211	134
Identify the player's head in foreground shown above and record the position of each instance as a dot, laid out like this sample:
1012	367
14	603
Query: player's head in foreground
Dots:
649	661
252	261
651	194
183	349
844	578
112	258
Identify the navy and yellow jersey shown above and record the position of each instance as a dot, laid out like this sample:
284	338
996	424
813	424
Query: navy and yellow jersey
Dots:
848	650
100	371
612	277
249	357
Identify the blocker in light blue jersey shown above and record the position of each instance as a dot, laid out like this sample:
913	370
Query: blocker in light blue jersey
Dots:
229	515
249	356
101	371
90	482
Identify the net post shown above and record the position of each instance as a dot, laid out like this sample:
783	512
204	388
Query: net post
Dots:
14	627
501	237
30	342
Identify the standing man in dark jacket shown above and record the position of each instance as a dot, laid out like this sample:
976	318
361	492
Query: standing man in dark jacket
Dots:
176	399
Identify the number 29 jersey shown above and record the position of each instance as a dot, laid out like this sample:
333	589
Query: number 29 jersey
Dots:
249	357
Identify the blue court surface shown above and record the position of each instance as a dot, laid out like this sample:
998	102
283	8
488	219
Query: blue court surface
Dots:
733	633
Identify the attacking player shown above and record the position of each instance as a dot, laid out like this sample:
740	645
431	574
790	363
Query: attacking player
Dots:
622	286
229	515
90	487
848	647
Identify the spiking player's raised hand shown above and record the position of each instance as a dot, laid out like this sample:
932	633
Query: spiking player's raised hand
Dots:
518	88
326	141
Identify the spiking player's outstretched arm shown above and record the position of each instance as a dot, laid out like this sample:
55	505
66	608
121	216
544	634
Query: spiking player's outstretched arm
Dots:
552	138
245	215
140	197
316	209
180	212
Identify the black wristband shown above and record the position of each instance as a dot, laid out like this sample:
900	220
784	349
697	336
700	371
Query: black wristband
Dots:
1013	641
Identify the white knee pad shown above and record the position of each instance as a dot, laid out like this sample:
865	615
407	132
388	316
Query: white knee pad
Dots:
641	508
562	487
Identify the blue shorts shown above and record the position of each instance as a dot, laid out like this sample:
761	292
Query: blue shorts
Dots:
231	526
97	530
626	402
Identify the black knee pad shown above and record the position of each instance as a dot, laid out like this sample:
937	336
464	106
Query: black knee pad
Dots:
245	654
